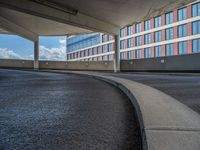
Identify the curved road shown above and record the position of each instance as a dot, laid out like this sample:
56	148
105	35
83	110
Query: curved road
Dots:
63	111
183	87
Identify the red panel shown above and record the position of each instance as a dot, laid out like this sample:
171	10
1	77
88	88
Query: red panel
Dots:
175	16
163	19
152	37
189	44
163	35
189	28
152	23
142	39
175	32
189	11
175	48
143	53
163	50
142	25
133	27
152	51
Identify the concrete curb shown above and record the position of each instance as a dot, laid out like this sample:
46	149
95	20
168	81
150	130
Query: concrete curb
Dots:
165	123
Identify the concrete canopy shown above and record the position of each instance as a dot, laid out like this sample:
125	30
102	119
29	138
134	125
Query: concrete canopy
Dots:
66	17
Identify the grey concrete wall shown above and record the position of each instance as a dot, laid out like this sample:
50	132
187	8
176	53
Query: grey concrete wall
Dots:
12	63
104	65
172	63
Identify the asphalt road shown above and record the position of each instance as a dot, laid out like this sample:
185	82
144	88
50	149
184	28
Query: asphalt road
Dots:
51	111
183	87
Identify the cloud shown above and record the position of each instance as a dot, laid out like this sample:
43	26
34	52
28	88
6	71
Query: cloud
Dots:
54	53
57	53
9	54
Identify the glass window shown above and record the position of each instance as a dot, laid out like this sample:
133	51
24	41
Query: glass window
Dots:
104	48
169	33
110	37
138	54
158	36
93	51
122	32
147	38
104	37
147	25
138	40
196	45
110	47
182	30
130	30
110	57
138	27
122	55
182	14
130	43
169	18
169	49
130	54
122	44
157	21
196	27
196	9
147	52
99	50
158	51
182	47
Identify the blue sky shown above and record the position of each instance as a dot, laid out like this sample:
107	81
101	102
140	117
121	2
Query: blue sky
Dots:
12	46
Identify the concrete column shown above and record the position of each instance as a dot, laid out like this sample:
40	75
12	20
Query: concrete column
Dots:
117	54
36	55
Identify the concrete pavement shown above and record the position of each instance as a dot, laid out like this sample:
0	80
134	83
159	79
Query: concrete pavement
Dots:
62	111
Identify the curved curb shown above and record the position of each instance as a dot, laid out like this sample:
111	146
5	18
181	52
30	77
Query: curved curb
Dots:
165	123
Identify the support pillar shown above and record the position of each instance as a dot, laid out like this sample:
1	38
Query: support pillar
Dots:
117	54
36	55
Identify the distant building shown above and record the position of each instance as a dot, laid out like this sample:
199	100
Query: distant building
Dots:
174	33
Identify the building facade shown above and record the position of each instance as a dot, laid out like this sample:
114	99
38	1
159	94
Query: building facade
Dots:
173	33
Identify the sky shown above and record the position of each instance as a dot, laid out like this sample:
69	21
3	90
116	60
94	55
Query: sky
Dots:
15	47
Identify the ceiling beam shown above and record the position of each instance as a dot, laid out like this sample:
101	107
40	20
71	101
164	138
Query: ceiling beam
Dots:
77	19
16	29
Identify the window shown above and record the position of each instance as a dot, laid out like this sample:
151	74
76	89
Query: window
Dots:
99	50
169	49
110	57
122	44
157	21
169	33
147	38
104	37
158	51
104	48
110	47
182	47
182	14
93	51
122	55
158	36
182	30
138	54
130	43
196	45
138	40
196	9
169	18
130	30
122	32
110	37
196	27
138	28
130	54
147	25
147	52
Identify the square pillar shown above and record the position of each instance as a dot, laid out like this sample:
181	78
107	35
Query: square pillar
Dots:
117	54
36	55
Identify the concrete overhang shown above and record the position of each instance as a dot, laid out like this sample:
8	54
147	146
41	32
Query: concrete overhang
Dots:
67	17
